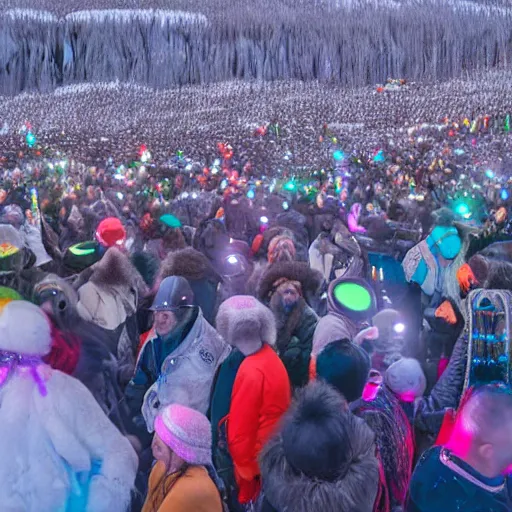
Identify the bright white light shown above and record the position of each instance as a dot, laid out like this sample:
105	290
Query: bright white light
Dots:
399	328
194	195
233	260
285	205
184	195
264	220
120	196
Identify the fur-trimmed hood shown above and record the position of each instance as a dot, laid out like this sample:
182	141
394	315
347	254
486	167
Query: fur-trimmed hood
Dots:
310	280
190	264
287	489
116	269
246	324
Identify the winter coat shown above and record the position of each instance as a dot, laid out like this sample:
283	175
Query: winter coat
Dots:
110	299
181	375
261	395
445	395
436	487
294	347
192	492
56	445
286	489
395	446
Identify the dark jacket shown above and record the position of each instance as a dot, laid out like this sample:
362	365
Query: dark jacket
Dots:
436	487
294	347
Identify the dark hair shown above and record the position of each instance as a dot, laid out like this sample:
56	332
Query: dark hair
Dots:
345	366
165	485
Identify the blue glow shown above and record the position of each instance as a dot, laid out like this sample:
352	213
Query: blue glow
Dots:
462	209
250	194
489	174
379	157
338	155
504	194
31	139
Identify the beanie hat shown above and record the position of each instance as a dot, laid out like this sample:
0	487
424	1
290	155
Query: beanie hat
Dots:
245	323
345	366
406	379
187	433
24	329
111	232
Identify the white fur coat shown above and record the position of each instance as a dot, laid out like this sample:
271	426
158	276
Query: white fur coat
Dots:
45	438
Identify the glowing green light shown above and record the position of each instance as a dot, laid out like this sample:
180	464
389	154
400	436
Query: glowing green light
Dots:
353	296
290	186
82	250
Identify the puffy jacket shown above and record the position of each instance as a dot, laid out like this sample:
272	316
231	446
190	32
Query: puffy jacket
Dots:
261	394
183	376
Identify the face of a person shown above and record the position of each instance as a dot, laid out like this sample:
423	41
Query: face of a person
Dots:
165	321
161	451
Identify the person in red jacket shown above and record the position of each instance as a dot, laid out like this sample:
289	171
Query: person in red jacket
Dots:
251	393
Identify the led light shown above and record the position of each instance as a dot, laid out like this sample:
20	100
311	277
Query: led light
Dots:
194	195
250	194
285	205
120	196
504	194
399	328
184	195
338	155
233	260
489	173
264	220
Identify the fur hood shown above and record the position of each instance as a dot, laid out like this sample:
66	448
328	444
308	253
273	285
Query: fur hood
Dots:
286	489
116	269
245	323
310	280
190	264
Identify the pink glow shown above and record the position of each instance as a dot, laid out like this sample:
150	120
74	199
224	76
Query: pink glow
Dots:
461	439
370	391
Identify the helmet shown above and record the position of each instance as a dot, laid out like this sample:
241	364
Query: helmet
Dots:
174	293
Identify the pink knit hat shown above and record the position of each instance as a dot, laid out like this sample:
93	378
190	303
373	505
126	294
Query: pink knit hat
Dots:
187	433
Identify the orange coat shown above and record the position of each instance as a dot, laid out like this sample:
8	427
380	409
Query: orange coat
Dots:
194	491
261	394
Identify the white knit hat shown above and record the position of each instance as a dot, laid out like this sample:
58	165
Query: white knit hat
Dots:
406	379
24	329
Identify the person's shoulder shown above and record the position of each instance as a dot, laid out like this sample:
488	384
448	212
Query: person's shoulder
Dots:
196	487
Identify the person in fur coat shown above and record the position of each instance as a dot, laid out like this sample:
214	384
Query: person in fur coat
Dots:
200	274
283	288
79	350
323	457
110	299
251	393
59	450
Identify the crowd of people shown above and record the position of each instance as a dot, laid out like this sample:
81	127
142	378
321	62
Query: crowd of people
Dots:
200	336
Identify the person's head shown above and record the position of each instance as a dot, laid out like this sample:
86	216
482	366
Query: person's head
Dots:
173	299
323	457
182	437
481	435
345	366
246	324
111	233
286	296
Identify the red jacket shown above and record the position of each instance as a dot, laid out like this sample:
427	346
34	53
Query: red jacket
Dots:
261	394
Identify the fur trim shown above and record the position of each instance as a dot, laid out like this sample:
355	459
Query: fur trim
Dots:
116	269
286	489
310	280
188	263
245	323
